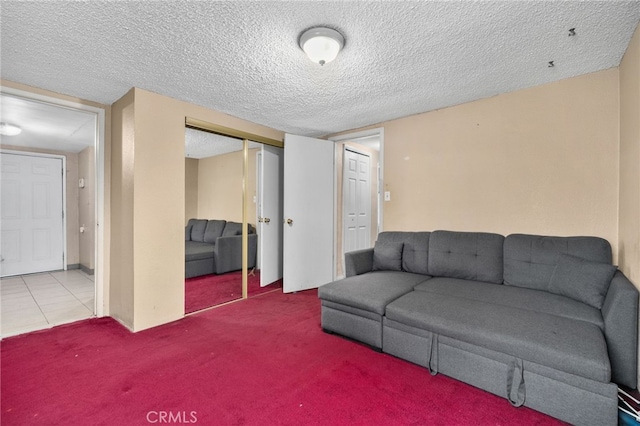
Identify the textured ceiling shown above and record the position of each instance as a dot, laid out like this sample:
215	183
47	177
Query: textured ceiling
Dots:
200	144
242	58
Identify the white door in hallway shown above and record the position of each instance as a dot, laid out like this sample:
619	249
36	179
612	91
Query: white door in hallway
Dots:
357	200
270	161
308	212
32	214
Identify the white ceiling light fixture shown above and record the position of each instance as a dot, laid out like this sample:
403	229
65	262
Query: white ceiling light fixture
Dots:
7	129
321	44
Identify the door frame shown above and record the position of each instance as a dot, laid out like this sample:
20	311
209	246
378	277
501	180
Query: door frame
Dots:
378	131
64	192
99	143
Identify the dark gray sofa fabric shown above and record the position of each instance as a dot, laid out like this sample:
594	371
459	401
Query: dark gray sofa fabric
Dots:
214	230
371	292
581	279
530	260
468	255
211	248
575	399
570	353
621	331
387	256
575	347
415	250
198	227
358	262
516	297
195	250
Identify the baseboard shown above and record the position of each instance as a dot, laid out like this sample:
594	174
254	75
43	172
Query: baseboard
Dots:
87	270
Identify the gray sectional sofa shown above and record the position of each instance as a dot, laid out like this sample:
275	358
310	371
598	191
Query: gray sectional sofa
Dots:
546	322
215	247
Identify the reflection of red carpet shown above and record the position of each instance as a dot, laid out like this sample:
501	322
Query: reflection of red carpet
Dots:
210	290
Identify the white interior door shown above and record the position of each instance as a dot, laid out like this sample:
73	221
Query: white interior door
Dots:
308	212
356	200
32	214
270	213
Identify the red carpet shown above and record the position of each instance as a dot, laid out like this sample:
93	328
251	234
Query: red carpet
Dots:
262	361
211	290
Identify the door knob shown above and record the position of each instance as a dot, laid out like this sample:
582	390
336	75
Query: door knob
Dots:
289	221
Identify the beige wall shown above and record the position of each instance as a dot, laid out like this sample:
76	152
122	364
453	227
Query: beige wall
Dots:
220	186
629	233
542	160
150	202
86	208
191	166
122	178
72	209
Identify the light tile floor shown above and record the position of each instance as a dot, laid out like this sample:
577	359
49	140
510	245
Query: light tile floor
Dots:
38	301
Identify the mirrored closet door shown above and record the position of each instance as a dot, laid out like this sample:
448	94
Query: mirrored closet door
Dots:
214	170
233	215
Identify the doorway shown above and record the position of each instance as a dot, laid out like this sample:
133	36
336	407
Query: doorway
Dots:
71	134
359	213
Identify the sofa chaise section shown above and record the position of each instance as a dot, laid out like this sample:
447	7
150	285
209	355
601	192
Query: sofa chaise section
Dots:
546	322
354	307
215	247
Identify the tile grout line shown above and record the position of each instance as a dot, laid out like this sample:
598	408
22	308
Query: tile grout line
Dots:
34	299
92	314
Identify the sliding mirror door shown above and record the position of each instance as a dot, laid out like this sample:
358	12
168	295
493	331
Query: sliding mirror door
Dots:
214	173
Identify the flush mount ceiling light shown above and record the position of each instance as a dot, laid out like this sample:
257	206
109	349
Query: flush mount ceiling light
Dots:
7	129
321	44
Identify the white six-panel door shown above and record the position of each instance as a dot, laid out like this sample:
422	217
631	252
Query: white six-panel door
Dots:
356	201
308	212
31	214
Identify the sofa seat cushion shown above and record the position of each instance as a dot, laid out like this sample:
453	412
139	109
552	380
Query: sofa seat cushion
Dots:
195	250
575	347
371	291
516	297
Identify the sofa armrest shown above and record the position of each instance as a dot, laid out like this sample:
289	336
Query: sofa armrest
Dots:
358	262
228	253
620	313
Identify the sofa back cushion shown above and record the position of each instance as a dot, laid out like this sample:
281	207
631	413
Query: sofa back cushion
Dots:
214	230
198	227
415	250
582	280
231	229
467	255
387	256
530	260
